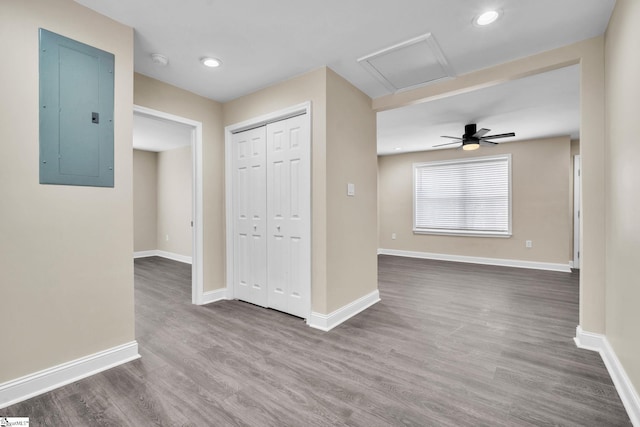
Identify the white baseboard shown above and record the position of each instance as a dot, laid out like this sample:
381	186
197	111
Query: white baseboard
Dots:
46	380
478	260
588	340
626	390
326	322
145	254
164	254
212	296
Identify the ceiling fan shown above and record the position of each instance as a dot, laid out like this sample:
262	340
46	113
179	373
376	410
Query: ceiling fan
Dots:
473	139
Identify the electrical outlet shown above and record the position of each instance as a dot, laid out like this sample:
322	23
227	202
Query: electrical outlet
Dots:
393	236
528	244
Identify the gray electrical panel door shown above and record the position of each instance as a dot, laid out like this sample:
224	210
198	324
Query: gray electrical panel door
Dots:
76	112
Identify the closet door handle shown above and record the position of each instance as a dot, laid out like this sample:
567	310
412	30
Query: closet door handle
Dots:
278	227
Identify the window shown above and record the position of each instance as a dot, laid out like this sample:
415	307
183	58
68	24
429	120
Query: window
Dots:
463	197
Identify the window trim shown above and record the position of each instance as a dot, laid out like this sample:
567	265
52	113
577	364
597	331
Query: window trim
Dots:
443	232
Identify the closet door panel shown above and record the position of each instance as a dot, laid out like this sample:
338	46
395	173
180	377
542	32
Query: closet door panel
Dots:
288	212
249	189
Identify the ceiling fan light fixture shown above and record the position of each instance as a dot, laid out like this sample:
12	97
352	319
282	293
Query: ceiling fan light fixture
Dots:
487	18
473	137
211	62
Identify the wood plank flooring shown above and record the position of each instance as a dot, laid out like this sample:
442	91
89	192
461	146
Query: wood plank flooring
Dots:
449	345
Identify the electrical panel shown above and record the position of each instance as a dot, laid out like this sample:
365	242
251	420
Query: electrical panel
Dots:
76	112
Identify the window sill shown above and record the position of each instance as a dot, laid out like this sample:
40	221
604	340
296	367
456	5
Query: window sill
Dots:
503	235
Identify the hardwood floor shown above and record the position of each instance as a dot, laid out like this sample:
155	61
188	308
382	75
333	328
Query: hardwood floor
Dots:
449	345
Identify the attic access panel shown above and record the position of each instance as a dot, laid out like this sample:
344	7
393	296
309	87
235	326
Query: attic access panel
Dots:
76	112
413	63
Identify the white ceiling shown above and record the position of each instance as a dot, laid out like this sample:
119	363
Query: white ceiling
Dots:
265	42
154	134
543	105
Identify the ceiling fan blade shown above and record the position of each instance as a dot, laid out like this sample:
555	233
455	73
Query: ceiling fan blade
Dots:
485	142
452	137
502	135
481	132
448	143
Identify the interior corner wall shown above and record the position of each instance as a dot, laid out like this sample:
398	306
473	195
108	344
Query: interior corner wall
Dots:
145	200
622	68
592	210
66	273
160	96
541	204
308	87
175	194
575	147
352	261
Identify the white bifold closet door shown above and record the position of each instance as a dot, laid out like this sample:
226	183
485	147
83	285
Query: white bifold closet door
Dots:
250	203
272	209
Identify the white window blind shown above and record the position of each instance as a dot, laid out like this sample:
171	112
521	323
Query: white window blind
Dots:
468	197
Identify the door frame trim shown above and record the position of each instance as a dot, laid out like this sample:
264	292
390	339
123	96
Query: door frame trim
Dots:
197	287
295	110
577	197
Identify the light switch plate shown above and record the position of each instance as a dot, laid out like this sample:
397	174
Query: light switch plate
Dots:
351	189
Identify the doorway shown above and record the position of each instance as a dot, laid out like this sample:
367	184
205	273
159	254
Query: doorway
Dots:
194	135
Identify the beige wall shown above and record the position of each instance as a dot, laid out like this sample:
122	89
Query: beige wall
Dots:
590	55
541	205
352	260
160	96
145	200
162	200
175	183
592	219
623	175
66	272
343	150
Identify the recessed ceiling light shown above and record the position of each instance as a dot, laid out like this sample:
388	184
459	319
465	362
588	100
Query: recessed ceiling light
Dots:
159	59
487	18
211	62
398	148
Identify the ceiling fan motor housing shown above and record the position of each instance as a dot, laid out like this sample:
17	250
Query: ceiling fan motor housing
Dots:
468	138
469	131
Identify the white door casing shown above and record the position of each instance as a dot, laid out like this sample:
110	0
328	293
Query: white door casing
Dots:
577	188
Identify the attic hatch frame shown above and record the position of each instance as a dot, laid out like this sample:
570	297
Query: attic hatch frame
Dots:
434	49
